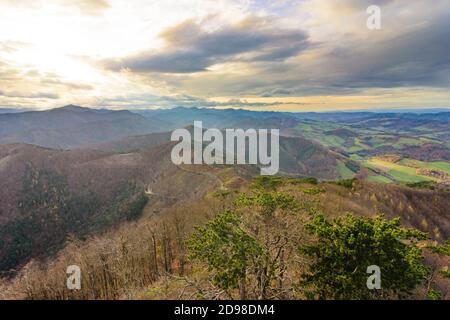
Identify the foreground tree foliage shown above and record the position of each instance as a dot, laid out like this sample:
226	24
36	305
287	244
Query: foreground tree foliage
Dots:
248	251
227	249
248	248
343	249
245	244
443	250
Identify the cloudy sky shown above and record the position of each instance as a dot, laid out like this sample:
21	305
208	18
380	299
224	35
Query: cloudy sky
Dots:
255	54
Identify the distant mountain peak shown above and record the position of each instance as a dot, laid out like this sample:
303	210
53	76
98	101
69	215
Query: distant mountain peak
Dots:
74	108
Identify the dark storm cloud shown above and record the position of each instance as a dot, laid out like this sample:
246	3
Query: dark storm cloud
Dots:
179	61
191	49
411	50
280	54
416	57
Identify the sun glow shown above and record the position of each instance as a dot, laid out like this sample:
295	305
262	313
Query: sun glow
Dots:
74	49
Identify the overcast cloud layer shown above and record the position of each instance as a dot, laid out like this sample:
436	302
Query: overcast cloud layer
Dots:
277	55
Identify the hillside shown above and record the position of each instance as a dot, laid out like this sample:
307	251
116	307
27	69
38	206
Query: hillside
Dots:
228	118
46	195
298	156
72	126
351	138
149	259
116	181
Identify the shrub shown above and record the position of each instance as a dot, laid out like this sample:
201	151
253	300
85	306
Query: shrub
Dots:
345	247
310	180
422	185
314	191
346	183
266	182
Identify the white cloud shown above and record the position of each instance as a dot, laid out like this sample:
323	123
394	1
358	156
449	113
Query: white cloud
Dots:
304	48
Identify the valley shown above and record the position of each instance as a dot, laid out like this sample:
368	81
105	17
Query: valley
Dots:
247	151
77	188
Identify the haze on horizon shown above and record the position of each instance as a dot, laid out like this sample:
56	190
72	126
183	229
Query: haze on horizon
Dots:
286	55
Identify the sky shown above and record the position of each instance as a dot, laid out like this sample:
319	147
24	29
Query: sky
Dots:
299	55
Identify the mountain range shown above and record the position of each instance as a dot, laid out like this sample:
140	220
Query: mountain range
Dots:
72	126
76	171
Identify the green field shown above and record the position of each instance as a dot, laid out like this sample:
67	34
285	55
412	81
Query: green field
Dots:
359	143
379	178
403	142
360	139
438	165
344	172
405	170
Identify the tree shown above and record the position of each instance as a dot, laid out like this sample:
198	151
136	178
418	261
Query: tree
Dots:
344	248
443	250
227	249
271	219
246	247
